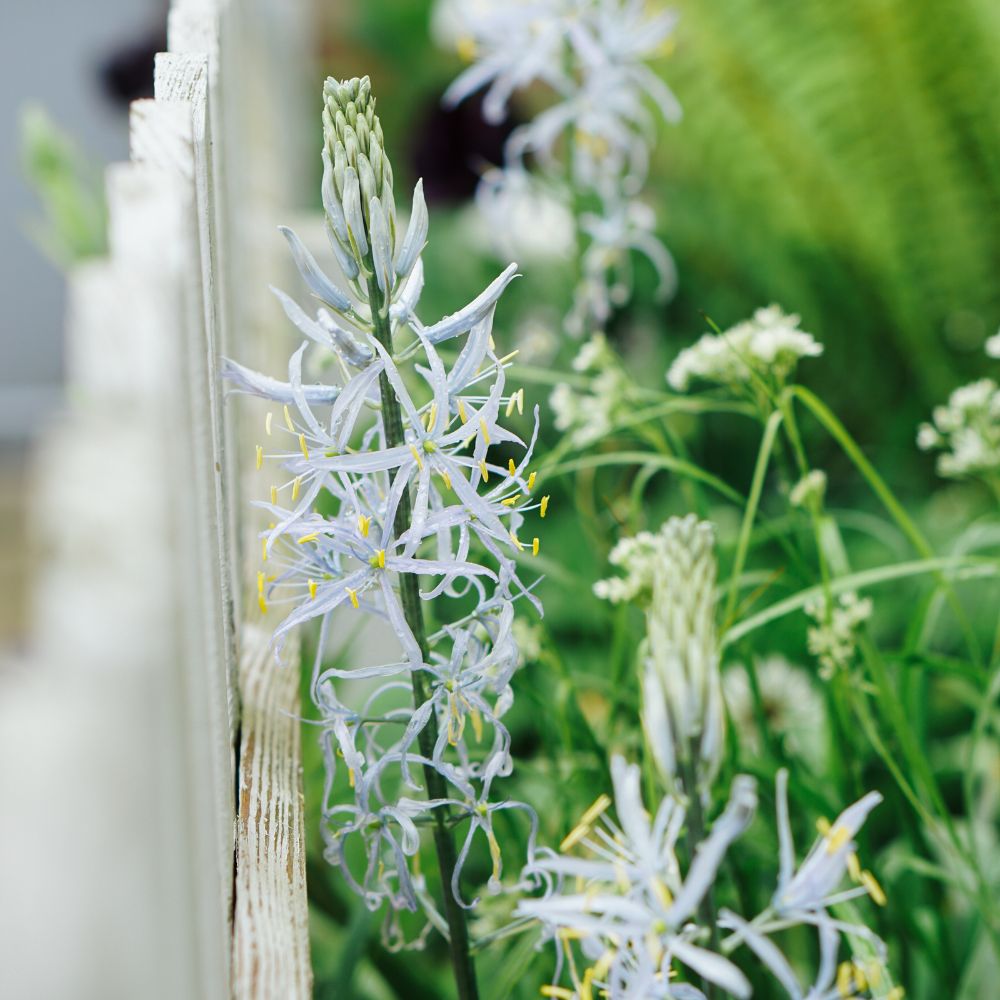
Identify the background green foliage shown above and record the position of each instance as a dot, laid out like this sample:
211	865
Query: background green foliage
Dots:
843	160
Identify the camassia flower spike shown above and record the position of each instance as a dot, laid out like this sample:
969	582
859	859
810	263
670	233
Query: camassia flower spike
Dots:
402	483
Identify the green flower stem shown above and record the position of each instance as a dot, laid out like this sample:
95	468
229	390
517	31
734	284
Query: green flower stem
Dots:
444	843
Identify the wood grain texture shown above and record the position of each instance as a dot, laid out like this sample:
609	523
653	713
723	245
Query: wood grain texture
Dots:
270	922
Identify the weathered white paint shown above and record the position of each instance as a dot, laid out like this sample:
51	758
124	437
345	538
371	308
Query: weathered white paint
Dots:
179	870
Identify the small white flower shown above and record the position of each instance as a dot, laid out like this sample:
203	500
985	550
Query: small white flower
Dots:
966	430
993	346
833	639
809	490
769	345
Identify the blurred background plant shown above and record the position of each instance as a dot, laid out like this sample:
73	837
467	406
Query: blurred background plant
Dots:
841	161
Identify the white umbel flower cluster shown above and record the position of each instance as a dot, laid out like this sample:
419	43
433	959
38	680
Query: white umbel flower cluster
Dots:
595	139
966	431
588	415
770	346
833	637
400	484
672	575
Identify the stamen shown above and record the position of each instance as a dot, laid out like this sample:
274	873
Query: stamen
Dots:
267	423
511	403
288	419
874	889
296	483
517	541
381	558
312	590
431	415
845	976
485	472
260	581
582	828
520	400
364	523
531	482
854	867
534	546
302	445
260	457
508	357
416	457
353	594
511	467
557	992
263	550
309	538
446	477
544	506
274	495
262	604
485	430
836	839
461	411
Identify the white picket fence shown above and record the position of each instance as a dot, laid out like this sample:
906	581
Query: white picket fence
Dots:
151	843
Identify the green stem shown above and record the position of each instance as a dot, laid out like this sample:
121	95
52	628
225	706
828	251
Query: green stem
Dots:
409	594
695	835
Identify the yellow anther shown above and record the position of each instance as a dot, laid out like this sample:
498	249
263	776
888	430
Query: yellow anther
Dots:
288	419
380	555
485	430
465	46
517	541
296	486
859	976
874	973
446	477
309	538
509	357
845	976
599	805
854	866
302	445
416	457
263	550
520	400
531	482
836	839
477	723
557	992
260	581
534	546
874	889
511	403
364	523
663	894
260	457
485	472
823	825
493	343
274	494
544	506
896	993
431	415
463	416
312	590
509	501
262	604
267	423
353	594
511	467
350	776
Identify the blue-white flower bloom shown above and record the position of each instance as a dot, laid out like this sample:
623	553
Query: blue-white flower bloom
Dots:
395	481
805	894
626	902
593	55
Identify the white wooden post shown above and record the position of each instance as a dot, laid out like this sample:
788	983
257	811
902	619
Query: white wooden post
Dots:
179	870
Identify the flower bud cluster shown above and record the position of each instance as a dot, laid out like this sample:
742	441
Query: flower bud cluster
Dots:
673	575
399	485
